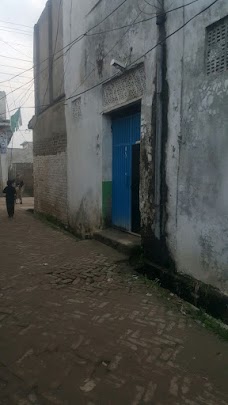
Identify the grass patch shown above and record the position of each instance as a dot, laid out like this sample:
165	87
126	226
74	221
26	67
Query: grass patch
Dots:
197	314
210	323
136	260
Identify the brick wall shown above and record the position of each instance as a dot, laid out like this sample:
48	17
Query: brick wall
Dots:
50	163
50	131
50	179
49	126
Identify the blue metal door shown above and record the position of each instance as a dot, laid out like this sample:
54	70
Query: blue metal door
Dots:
125	132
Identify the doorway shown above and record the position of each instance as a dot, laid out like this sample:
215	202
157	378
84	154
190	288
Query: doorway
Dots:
125	171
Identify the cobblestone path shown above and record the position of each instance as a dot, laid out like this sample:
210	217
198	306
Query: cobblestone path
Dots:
77	326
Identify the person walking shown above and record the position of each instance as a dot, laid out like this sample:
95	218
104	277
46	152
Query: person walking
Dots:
19	188
10	193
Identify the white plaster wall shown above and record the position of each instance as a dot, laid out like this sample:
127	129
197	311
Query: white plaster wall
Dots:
57	45
174	77
107	148
2	105
196	156
42	70
197	150
3	171
86	165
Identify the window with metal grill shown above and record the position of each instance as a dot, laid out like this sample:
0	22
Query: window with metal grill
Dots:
217	47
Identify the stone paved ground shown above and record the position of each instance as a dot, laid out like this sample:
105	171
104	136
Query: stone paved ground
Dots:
78	327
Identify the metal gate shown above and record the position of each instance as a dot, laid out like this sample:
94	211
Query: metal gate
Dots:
125	132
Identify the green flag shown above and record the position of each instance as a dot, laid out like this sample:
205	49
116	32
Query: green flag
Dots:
16	121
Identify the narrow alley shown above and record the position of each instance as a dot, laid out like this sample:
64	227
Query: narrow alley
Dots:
78	326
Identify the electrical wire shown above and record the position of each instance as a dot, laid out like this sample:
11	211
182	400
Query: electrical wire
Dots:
12	137
96	25
20	74
103	32
24	84
177	30
80	37
19	44
145	12
21	25
146	53
13	31
71	43
144	20
14	81
98	33
10	57
110	50
14	67
20	95
12	74
56	39
18	88
19	130
151	5
169	11
12	47
5	85
26	99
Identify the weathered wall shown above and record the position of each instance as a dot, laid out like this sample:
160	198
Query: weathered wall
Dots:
197	151
50	175
42	52
3	171
49	128
48	55
2	105
89	131
192	214
57	45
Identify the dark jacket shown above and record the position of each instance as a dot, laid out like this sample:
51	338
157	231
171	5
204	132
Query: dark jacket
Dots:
10	193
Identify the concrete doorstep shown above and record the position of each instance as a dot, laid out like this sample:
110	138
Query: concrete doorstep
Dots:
124	242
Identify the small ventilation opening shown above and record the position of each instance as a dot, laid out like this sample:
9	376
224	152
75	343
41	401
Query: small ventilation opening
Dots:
217	47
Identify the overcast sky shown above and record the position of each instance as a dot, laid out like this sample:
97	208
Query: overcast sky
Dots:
18	45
